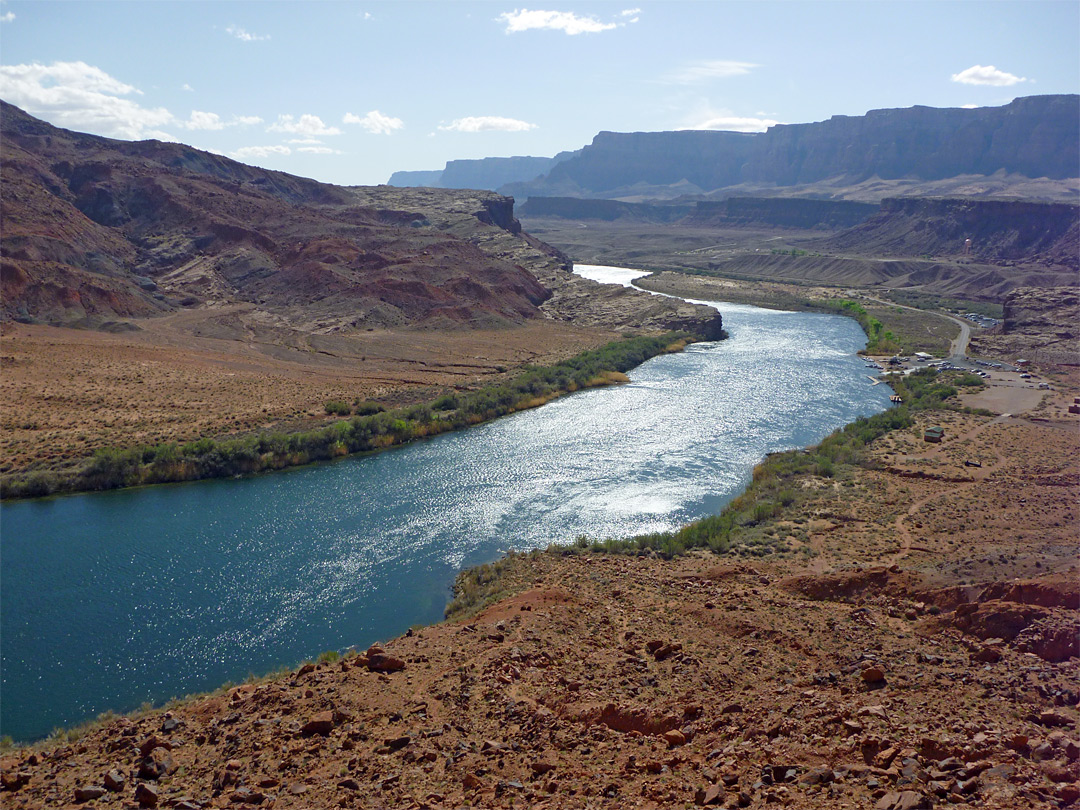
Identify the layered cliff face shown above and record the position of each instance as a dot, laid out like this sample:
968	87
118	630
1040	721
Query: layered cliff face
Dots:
1040	325
1034	137
605	210
573	299
784	212
485	173
789	212
95	229
705	160
999	230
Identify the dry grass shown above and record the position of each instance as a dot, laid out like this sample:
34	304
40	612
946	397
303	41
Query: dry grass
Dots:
68	392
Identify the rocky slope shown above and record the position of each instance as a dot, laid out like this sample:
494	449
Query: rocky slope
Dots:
573	300
1001	231
96	230
920	652
1034	137
1040	325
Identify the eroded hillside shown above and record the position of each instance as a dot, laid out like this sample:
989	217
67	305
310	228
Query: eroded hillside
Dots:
225	299
902	636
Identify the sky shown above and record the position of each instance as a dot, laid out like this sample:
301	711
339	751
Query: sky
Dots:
349	92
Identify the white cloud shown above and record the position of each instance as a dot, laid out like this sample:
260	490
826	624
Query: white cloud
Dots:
245	152
969	106
203	120
309	125
9	17
212	121
488	123
187	88
630	12
246	36
78	96
565	21
303	140
734	123
987	74
319	150
707	70
375	122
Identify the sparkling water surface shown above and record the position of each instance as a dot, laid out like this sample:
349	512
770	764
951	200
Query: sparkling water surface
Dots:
111	599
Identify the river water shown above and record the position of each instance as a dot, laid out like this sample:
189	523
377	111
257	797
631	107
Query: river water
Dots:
111	599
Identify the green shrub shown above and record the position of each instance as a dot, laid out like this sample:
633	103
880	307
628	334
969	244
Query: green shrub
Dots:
970	381
370	428
447	402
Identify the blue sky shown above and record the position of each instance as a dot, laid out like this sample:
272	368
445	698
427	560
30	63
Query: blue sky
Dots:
349	92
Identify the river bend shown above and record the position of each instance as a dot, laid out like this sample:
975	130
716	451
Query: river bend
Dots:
111	599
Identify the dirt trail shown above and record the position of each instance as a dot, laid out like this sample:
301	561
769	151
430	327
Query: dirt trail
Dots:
978	474
959	345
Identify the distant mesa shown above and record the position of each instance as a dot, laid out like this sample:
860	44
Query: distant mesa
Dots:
1033	137
486	173
1028	148
784	212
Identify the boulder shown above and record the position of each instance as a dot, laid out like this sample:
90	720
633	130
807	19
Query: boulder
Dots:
146	795
873	675
158	763
89	793
320	723
381	662
114	781
674	737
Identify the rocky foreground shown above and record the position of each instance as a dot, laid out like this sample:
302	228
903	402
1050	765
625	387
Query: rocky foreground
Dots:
906	638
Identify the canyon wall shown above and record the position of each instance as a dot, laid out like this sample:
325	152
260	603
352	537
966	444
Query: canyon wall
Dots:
1033	137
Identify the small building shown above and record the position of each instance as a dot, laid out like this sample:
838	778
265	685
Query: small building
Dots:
1023	363
896	399
934	434
922	357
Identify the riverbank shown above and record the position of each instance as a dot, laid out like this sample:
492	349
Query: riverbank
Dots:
890	328
373	427
269	569
899	635
780	489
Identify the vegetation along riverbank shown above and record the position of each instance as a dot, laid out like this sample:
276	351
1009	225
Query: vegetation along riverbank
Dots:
370	427
877	617
779	488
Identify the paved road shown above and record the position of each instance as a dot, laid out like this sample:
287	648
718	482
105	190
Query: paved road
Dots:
958	349
959	345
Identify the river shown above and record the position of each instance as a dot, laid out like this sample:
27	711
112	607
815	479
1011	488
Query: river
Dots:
111	599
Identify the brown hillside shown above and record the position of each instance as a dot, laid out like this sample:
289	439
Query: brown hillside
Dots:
95	229
896	642
1001	231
